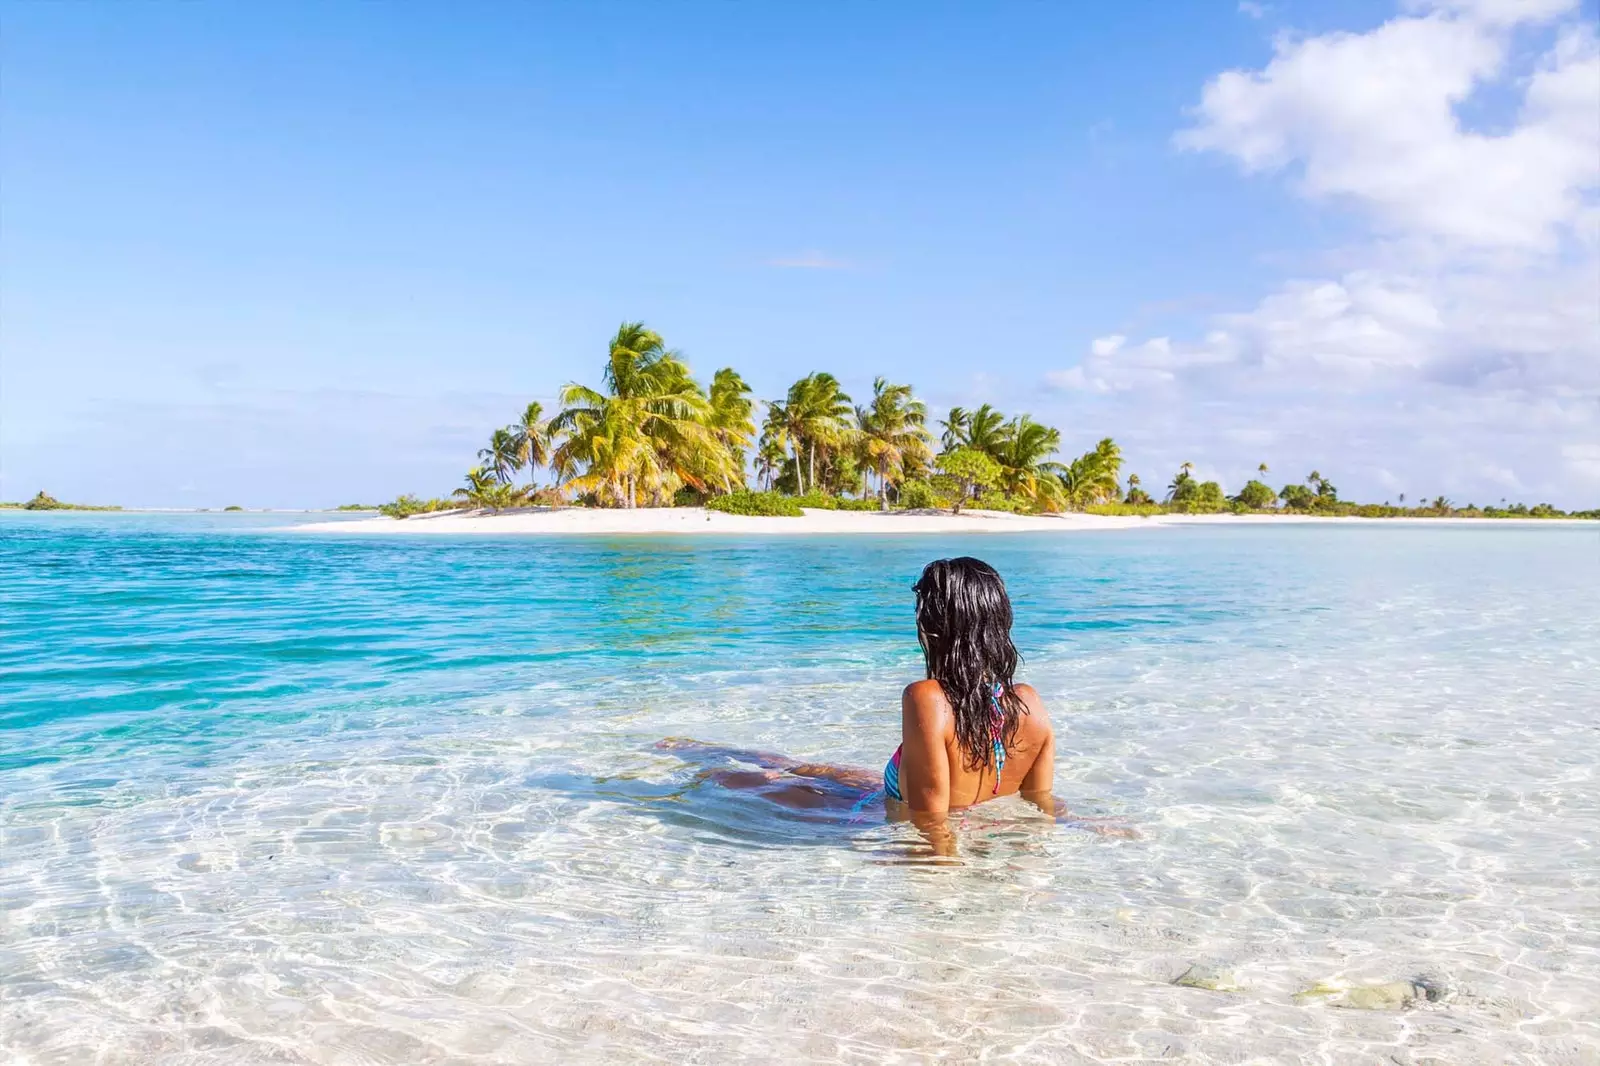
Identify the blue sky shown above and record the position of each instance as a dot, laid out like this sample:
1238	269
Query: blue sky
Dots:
298	255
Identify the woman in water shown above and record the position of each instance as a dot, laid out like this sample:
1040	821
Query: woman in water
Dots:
969	733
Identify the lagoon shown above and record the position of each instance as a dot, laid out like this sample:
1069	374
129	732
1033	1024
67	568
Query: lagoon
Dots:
276	797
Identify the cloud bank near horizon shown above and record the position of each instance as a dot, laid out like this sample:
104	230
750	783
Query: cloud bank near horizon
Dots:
1456	348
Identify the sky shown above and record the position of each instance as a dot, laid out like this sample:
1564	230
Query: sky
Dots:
305	254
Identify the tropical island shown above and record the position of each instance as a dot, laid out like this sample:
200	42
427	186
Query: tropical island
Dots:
43	501
652	436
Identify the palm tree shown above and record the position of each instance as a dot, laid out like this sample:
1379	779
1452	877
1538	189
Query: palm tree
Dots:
1262	471
1023	448
731	422
530	439
500	456
770	457
1092	477
602	451
1181	485
892	430
985	430
955	429
811	418
772	449
785	422
485	489
647	433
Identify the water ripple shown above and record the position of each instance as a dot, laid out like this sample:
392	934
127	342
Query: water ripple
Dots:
273	798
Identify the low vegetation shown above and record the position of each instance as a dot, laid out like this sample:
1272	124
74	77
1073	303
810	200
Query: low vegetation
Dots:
764	504
406	506
43	501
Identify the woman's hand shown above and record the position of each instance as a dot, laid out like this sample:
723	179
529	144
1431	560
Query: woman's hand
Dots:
1056	808
937	831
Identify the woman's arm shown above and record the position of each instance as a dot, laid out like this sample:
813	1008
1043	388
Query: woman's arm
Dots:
1041	776
924	766
1041	779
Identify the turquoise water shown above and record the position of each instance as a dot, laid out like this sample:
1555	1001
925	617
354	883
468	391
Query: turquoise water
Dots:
279	797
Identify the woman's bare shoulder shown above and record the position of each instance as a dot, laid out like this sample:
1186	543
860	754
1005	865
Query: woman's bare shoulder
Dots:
924	695
1035	702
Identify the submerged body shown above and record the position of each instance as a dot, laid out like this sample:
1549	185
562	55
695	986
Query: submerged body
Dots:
969	732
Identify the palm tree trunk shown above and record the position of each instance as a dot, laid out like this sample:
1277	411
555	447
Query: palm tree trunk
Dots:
883	490
813	470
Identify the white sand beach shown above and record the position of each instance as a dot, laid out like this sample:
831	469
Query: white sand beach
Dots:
690	520
655	520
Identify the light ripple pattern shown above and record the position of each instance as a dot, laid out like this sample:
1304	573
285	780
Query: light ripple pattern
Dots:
268	797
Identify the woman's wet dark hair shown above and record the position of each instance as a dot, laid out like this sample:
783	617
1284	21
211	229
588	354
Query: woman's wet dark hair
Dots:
964	626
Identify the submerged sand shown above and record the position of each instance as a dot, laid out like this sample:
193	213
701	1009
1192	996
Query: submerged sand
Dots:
656	520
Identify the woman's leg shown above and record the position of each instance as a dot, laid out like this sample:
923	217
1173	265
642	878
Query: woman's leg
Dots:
776	780
688	748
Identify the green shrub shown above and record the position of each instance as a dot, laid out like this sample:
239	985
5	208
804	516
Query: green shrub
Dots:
817	501
971	470
235	507
408	505
403	507
1297	497
763	504
1256	496
918	495
1126	510
866	503
1001	501
822	501
1205	498
44	502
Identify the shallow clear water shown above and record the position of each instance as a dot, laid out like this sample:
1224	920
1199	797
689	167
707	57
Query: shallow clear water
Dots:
272	797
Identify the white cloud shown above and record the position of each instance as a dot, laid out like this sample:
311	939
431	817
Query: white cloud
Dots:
1103	346
1251	9
1373	118
1465	338
1503	12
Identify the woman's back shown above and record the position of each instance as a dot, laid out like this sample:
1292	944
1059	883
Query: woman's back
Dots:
937	773
969	732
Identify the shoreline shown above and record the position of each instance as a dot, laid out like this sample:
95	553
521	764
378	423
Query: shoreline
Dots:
691	521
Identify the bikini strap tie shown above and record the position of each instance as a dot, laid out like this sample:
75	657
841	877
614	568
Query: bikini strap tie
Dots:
997	727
